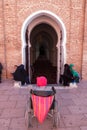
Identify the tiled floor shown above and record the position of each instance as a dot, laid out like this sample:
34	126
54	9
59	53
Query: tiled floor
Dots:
72	103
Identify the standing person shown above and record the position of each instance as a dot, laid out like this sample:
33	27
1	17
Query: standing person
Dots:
1	67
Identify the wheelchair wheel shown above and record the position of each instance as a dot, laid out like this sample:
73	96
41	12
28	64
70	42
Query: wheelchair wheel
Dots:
56	120
56	116
29	119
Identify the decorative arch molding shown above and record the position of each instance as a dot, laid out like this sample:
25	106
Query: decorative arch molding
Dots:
60	24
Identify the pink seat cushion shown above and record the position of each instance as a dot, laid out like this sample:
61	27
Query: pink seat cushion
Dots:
41	81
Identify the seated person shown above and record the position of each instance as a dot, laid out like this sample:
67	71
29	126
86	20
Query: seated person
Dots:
67	76
41	89
75	73
1	67
20	74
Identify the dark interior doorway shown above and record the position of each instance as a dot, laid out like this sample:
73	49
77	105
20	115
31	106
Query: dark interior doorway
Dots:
43	53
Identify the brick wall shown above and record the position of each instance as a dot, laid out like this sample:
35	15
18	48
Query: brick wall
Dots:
84	58
2	41
13	14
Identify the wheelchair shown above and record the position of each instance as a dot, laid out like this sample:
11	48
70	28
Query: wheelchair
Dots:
42	103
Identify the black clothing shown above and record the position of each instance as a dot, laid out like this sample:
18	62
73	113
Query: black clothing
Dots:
67	76
1	67
20	74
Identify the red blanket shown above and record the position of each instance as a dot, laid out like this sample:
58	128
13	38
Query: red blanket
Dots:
41	106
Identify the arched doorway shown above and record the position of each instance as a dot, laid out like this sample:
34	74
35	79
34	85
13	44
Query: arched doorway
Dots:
46	19
43	52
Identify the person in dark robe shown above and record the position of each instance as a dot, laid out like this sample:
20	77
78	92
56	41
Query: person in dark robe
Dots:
67	76
20	74
1	67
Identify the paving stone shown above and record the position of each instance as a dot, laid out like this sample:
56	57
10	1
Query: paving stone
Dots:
72	105
73	128
4	124
13	113
17	124
78	109
17	97
74	120
7	104
83	128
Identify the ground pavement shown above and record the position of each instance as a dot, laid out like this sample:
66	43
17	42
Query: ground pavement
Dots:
72	102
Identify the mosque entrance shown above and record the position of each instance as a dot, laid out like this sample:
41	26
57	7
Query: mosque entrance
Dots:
43	38
43	53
